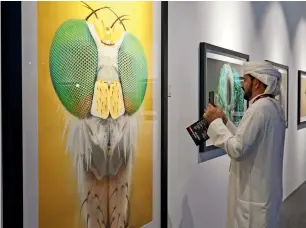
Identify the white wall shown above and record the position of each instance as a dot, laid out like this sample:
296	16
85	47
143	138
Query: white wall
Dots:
264	30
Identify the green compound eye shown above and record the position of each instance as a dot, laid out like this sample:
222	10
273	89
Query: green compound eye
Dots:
133	72
230	95
73	66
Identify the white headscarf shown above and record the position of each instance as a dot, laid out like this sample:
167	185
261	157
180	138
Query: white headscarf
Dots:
266	73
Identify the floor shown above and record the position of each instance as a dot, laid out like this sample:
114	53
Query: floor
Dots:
294	209
293	213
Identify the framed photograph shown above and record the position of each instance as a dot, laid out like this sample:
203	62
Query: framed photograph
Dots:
89	116
283	97
301	114
221	72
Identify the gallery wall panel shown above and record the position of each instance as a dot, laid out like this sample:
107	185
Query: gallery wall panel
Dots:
265	30
61	59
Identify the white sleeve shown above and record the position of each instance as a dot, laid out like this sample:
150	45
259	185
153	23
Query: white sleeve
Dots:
231	127
240	144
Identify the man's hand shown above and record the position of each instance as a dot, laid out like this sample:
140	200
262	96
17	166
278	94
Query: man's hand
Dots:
212	113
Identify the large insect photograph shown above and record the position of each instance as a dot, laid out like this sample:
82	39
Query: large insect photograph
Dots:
95	148
221	72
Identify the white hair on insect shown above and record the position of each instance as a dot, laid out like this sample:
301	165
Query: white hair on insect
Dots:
266	73
83	134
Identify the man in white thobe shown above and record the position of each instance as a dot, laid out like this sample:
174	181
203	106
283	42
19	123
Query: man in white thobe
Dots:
256	150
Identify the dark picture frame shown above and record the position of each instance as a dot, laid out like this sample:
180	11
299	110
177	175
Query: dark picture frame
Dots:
12	115
301	124
164	117
286	68
204	48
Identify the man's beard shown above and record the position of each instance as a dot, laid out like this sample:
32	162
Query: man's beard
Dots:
247	95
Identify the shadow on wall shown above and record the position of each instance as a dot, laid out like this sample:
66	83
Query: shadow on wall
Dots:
187	221
293	209
294	11
169	225
301	126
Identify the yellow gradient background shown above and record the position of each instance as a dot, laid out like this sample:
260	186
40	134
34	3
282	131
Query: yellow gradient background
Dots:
58	199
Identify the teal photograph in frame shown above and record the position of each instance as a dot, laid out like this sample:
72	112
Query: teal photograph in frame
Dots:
220	70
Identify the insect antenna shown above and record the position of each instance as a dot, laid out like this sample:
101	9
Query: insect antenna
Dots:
95	12
120	19
88	7
105	7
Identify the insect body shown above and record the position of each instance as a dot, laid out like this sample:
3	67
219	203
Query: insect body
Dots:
101	83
